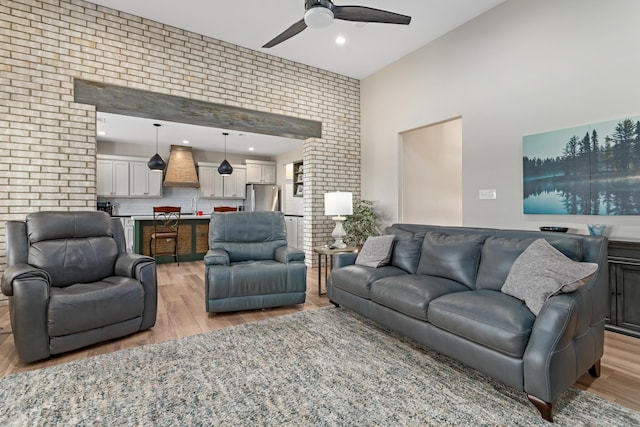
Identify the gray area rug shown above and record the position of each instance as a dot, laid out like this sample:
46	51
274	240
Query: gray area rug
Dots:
323	367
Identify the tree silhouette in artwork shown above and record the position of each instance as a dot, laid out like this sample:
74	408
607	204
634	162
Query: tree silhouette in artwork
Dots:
590	177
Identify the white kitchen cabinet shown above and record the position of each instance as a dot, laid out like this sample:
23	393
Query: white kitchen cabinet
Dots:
144	182
127	224
261	172
112	177
235	185
295	231
300	235
213	185
120	176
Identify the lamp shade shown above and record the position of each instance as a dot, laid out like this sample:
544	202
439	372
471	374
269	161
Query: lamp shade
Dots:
225	168
156	163
338	203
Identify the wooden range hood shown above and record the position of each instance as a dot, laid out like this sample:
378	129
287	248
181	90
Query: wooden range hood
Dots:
181	169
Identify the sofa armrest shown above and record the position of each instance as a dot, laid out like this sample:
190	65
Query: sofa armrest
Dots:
23	272
288	254
216	257
565	342
127	264
344	258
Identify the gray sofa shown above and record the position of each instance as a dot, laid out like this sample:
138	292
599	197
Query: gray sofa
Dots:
457	308
249	265
71	283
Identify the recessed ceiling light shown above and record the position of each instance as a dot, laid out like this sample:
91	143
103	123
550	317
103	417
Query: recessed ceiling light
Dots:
251	148
340	40
101	133
185	141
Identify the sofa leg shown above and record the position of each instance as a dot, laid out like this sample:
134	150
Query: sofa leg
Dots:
334	303
543	407
594	371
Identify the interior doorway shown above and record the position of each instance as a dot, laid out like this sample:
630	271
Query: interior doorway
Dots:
431	174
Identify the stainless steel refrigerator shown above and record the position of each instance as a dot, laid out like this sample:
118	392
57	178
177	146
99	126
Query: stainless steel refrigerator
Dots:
262	197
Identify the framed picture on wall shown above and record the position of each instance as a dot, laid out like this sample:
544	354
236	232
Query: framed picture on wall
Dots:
585	170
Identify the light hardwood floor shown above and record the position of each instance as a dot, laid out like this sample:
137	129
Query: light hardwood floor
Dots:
181	312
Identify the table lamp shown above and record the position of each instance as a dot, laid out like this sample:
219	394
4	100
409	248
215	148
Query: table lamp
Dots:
338	204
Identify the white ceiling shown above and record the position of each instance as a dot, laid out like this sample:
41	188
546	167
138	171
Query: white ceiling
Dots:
136	130
252	23
369	47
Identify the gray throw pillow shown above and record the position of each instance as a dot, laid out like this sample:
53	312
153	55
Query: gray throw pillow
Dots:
376	251
542	271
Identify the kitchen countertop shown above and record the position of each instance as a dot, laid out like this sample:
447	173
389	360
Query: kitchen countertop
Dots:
185	216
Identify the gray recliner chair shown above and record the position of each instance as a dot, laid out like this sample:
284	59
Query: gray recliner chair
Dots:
249	264
71	283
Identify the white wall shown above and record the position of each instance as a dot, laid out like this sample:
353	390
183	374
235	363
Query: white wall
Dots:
524	67
431	174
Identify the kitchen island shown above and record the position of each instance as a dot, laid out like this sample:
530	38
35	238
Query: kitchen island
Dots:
193	238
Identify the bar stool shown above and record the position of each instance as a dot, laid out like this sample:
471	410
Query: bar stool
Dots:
225	209
166	220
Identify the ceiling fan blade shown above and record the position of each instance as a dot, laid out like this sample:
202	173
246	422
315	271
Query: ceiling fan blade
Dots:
368	14
288	33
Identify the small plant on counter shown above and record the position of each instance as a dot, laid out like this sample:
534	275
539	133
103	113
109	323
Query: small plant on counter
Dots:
361	224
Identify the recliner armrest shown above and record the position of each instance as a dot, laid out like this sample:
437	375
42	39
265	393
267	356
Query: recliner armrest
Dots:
287	254
126	264
21	271
216	257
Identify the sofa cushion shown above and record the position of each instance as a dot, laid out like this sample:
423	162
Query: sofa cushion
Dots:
376	251
411	294
406	249
453	257
357	279
496	258
86	306
542	271
489	318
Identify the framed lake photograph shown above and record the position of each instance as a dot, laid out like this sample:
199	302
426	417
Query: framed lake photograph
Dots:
585	170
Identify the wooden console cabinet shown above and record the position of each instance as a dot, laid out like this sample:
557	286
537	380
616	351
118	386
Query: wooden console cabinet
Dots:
624	288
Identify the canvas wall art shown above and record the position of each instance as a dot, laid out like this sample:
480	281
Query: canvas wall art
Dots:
585	170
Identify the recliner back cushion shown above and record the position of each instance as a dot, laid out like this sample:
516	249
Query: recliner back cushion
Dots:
248	235
453	257
72	247
496	259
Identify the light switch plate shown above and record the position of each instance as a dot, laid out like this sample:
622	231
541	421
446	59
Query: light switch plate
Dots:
488	194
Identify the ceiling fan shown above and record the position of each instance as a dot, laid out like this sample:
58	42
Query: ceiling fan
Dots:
321	13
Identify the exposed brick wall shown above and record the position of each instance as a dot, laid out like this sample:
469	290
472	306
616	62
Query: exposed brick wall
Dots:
48	142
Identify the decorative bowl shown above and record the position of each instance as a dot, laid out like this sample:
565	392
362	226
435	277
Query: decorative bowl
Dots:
597	229
555	229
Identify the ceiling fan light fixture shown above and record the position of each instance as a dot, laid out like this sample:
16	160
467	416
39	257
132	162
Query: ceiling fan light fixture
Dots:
318	17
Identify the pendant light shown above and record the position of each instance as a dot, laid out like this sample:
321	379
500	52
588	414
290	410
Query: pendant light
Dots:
156	163
225	168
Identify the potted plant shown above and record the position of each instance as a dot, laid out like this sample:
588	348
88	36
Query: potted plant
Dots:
361	224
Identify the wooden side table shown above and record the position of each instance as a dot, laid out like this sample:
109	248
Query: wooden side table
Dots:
328	259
